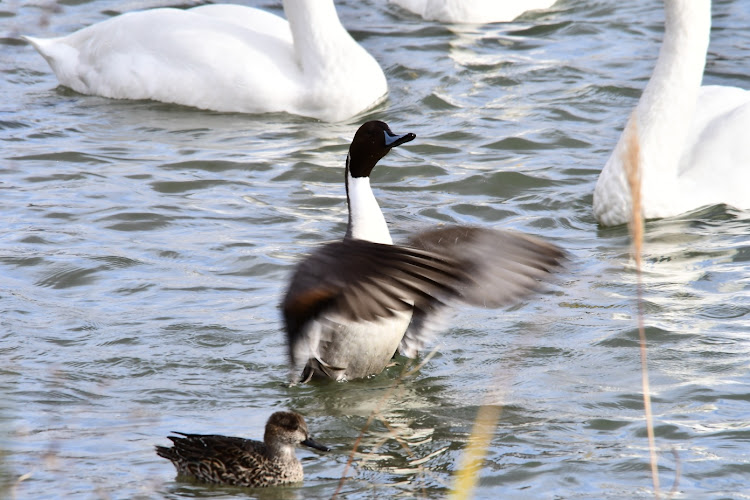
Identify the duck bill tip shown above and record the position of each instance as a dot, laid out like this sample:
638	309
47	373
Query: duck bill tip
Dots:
393	141
310	442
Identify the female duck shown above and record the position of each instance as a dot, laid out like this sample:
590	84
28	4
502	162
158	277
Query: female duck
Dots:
693	139
223	58
353	303
243	462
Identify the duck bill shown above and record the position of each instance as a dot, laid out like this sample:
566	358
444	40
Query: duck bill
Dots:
393	140
314	444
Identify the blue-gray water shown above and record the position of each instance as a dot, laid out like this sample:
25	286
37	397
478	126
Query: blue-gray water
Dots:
144	248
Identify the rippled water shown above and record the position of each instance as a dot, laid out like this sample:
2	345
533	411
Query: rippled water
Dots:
144	248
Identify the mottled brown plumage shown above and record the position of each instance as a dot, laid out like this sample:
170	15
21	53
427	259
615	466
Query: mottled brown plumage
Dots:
243	462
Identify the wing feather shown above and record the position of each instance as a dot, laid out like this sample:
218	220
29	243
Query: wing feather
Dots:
438	269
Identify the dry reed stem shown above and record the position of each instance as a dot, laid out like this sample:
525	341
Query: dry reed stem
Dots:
421	470
405	373
632	162
677	474
482	432
488	415
16	483
473	456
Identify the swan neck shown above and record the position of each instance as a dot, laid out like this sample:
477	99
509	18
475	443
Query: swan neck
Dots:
667	106
687	29
316	31
664	115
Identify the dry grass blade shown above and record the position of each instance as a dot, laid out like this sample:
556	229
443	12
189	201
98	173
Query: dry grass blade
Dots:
362	431
632	162
408	371
482	432
472	458
14	486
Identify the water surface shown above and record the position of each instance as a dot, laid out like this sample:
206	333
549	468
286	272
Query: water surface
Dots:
144	248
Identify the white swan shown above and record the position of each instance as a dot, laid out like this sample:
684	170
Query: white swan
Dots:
224	58
472	11
695	148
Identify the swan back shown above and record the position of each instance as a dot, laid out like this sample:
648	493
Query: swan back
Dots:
224	58
472	11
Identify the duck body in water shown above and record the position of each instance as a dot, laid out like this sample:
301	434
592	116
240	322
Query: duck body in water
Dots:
243	462
353	303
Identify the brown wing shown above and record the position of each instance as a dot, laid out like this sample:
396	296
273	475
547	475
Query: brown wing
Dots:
500	268
364	280
217	459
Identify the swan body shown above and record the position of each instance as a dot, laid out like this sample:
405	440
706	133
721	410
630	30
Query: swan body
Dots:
693	139
472	11
227	58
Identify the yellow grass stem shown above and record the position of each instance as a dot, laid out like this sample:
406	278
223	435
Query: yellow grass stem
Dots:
632	163
408	371
473	456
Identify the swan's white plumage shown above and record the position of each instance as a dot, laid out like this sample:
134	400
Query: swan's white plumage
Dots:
693	139
224	58
472	11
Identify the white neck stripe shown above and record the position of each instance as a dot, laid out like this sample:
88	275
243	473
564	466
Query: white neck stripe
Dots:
366	221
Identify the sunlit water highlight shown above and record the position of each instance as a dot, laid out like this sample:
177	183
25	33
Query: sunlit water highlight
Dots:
144	248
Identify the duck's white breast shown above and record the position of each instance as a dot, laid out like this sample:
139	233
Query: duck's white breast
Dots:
363	347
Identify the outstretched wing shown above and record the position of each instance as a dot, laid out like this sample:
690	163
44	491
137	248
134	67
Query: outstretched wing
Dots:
361	280
498	269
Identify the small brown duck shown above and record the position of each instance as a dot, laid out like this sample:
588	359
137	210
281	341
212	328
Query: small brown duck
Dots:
244	462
